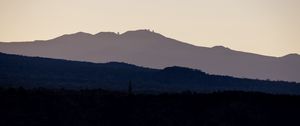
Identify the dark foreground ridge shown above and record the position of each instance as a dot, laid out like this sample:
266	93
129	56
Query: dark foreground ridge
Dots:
33	72
45	107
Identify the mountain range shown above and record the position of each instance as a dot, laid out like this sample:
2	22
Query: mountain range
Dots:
149	49
35	72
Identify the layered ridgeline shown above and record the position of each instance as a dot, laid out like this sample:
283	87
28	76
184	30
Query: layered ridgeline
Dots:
149	49
33	72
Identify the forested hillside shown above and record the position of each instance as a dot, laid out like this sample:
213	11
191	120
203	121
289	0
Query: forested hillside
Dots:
32	72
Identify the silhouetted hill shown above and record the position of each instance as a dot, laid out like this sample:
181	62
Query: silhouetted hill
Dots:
150	49
32	72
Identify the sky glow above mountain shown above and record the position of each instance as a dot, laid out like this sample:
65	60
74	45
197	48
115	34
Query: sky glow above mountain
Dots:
268	27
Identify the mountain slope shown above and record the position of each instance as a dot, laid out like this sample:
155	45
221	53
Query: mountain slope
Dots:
31	72
149	49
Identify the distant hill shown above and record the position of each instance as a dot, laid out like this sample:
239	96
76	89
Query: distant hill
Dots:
150	49
33	72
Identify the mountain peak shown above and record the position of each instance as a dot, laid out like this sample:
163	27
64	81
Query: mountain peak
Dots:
80	34
77	35
145	33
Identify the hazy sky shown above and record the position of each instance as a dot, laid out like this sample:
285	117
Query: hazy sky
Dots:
269	27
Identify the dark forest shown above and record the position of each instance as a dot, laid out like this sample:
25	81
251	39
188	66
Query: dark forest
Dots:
61	107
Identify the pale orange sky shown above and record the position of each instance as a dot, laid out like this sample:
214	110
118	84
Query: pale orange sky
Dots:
268	27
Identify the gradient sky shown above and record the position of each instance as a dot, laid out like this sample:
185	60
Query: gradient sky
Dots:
269	27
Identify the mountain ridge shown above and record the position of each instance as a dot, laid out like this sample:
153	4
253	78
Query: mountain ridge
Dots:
149	49
108	33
